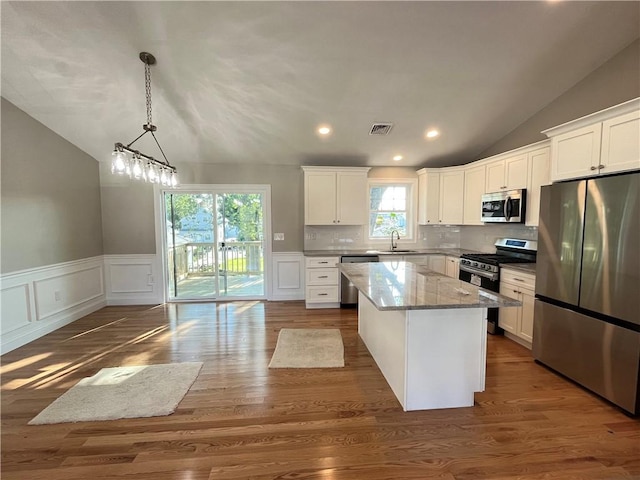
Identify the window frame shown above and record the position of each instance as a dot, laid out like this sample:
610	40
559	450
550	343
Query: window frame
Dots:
411	207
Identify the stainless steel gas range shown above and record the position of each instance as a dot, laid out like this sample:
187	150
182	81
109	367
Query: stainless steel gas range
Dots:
483	269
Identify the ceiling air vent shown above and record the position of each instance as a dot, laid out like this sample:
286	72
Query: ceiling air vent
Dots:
380	128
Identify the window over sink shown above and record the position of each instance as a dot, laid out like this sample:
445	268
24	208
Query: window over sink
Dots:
391	207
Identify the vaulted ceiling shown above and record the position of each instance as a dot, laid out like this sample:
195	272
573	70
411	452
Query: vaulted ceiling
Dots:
249	82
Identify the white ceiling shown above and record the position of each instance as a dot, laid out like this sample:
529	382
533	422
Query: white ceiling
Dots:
248	82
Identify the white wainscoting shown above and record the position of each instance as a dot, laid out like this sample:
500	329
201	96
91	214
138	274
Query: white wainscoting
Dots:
288	276
133	279
40	300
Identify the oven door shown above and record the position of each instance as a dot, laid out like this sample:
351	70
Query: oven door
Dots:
504	207
488	281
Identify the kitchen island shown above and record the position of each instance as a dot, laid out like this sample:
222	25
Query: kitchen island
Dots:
427	332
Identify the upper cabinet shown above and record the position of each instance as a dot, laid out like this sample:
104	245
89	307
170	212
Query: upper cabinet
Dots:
441	196
428	196
335	196
451	196
599	144
539	175
474	182
507	174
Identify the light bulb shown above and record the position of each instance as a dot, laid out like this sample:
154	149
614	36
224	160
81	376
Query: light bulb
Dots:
119	162
152	173
174	179
138	168
164	179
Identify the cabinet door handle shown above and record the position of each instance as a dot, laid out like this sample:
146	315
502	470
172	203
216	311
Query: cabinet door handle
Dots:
518	279
323	276
516	291
600	167
323	294
594	168
323	262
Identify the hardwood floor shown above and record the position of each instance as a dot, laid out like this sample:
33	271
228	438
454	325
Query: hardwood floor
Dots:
241	420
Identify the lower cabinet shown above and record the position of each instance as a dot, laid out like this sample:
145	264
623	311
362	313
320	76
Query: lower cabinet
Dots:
452	267
518	321
322	286
437	264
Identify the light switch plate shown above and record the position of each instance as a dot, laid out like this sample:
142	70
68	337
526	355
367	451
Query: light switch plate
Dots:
278	236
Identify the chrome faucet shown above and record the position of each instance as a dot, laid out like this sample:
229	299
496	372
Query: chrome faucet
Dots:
394	245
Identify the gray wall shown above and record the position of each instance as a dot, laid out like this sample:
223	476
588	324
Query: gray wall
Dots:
130	229
50	196
128	221
616	81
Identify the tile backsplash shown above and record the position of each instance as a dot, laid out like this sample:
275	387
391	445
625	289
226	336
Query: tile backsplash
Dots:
483	237
480	238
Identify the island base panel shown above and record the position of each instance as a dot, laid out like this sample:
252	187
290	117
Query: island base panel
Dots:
433	358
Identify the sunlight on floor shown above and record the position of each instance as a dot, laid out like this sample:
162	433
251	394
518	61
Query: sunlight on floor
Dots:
10	367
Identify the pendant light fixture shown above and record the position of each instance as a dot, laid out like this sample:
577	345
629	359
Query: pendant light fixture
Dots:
135	164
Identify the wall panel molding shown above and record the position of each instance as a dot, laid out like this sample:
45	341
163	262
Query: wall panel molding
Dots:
40	300
133	279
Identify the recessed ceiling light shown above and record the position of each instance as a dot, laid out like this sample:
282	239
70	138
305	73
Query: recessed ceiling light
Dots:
432	133
324	130
397	158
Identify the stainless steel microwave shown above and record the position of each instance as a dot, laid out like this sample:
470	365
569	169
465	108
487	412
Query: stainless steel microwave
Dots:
506	206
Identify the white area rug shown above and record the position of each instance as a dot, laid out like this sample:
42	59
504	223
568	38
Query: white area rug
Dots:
123	392
308	348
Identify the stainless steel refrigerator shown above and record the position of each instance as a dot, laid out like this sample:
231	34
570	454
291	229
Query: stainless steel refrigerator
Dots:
587	307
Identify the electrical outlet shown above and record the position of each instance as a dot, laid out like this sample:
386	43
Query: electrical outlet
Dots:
278	236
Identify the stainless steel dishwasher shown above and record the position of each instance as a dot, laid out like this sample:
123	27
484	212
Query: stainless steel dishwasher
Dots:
348	292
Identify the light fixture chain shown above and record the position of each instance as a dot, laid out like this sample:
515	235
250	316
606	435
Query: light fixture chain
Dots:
147	85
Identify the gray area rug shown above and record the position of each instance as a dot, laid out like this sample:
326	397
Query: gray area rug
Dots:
308	348
123	392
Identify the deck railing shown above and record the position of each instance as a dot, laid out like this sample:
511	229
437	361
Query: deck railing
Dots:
234	258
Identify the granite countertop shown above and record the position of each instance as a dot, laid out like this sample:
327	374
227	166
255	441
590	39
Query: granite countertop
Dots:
452	252
529	268
409	286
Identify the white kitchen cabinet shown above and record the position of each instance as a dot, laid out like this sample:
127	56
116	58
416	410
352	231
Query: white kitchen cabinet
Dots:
602	143
508	173
437	263
335	196
322	286
539	175
620	147
517	322
451	196
428	196
474	188
452	267
577	153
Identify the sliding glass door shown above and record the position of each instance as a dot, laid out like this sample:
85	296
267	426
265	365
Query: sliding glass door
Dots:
214	245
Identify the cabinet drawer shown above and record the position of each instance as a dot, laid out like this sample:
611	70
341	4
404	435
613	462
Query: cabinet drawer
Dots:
322	276
517	278
313	262
322	294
